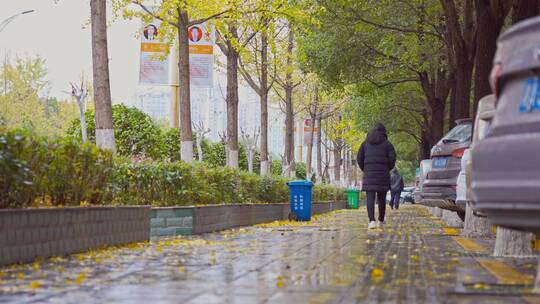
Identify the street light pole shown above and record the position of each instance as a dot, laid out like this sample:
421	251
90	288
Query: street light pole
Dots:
7	21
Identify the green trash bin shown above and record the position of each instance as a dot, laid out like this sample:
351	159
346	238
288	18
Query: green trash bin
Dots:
353	196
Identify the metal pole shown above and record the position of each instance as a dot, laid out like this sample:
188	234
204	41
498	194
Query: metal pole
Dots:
7	21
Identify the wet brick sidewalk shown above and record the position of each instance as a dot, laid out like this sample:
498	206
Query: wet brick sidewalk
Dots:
333	259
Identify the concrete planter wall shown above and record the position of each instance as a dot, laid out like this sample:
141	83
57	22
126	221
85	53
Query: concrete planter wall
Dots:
202	219
29	233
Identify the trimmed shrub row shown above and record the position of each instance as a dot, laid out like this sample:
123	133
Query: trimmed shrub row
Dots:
65	172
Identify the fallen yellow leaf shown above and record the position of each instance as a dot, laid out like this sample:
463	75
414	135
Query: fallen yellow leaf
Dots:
35	266
80	278
35	284
377	275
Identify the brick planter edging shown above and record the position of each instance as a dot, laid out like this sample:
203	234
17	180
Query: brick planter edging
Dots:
29	233
172	221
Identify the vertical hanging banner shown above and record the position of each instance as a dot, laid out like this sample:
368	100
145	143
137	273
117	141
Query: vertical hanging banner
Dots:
154	62
201	55
309	127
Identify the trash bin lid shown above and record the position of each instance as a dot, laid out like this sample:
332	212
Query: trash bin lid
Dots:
352	190
305	183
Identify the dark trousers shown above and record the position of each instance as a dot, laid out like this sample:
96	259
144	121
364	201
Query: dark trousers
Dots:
381	200
394	200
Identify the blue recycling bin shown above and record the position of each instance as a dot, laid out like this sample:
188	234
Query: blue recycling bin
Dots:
300	198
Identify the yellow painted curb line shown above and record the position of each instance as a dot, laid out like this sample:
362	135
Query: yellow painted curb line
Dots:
469	244
451	231
504	273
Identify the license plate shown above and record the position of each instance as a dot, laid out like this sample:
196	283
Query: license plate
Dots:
440	162
531	96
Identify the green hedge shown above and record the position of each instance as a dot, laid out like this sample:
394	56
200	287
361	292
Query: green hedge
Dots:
52	171
65	172
178	183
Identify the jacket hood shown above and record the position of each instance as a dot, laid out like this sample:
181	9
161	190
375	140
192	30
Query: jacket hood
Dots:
377	135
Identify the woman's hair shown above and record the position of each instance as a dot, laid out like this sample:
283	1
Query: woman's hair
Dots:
146	30
379	127
377	134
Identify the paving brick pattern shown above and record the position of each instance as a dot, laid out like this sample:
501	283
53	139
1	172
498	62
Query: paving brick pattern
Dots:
334	259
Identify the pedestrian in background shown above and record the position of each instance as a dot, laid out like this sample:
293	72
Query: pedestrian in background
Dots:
396	186
376	158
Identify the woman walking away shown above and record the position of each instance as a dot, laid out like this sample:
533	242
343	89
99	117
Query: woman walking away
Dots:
376	158
396	187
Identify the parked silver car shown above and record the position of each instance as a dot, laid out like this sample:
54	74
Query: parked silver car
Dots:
439	187
482	124
506	164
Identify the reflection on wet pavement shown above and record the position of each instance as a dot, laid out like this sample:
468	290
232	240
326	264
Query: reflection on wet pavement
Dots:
335	259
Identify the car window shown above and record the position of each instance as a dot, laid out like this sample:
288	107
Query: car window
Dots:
460	133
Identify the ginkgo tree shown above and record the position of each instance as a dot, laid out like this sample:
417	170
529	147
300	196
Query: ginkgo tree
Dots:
233	34
177	16
259	62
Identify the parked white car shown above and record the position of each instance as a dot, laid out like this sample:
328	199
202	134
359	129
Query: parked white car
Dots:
461	187
425	167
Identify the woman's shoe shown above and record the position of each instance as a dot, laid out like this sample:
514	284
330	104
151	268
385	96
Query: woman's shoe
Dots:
380	224
372	225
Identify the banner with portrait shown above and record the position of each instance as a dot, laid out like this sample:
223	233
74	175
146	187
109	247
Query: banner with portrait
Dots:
154	61
201	55
310	131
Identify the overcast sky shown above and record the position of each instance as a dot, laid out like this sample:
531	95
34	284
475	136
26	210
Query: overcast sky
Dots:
60	33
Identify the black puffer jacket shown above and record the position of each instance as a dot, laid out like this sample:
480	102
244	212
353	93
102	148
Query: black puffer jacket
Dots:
376	158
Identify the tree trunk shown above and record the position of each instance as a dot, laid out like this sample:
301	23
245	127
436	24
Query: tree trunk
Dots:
265	166
289	110
460	41
186	133
475	226
463	88
309	153
250	160
84	131
452	110
232	102
337	163
437	119
451	219
523	9
426	143
102	88
488	29
289	134
318	125
513	243
199	149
